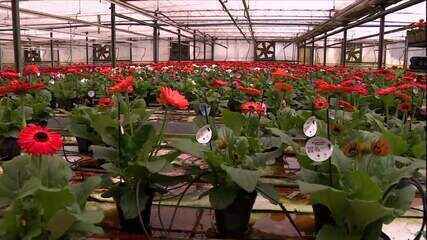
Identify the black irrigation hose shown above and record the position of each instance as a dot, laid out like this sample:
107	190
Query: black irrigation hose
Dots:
181	197
419	187
285	211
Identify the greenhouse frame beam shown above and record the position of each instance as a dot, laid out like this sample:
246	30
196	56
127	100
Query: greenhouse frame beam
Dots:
17	48
381	41
325	48
87	48
48	15
343	48
248	17
224	7
113	35
51	50
158	19
369	18
155	41
372	35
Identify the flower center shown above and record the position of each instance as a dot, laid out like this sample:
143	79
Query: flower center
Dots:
41	137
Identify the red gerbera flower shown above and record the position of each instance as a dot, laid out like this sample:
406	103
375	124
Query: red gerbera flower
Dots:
31	70
123	85
254	107
172	98
19	87
250	91
320	103
386	91
218	83
283	87
278	73
8	74
105	102
405	106
37	140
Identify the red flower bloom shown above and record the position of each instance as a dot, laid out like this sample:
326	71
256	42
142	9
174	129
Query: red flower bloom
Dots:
283	87
31	70
37	140
123	85
323	86
405	106
18	87
172	98
250	91
386	91
218	83
279	73
254	107
8	74
320	103
105	102
346	106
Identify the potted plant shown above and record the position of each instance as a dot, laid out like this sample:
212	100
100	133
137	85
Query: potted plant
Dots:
235	156
31	181
131	147
18	105
352	204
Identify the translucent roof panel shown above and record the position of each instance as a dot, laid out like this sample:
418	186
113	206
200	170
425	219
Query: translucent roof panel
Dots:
267	19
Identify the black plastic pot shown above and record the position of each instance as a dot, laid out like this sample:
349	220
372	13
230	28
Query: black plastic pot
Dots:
9	148
134	225
233	221
233	105
84	146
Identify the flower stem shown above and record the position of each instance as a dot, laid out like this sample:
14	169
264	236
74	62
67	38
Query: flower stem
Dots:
24	121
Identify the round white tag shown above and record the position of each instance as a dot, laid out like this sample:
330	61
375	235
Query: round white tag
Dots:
310	127
204	134
318	149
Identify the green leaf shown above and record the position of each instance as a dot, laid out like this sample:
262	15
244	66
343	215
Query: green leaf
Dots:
400	199
268	191
335	200
398	145
419	150
83	190
246	179
233	120
341	161
360	213
329	232
307	188
159	163
360	186
104	153
221	197
188	146
59	224
53	200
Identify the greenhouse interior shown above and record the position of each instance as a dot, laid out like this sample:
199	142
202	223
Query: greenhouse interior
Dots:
213	119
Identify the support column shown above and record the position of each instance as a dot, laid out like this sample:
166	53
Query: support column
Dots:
17	49
213	50
325	48
298	53
51	51
381	41
194	45
87	48
130	52
179	46
304	53
343	47
405	54
312	52
113	35
155	41
204	48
